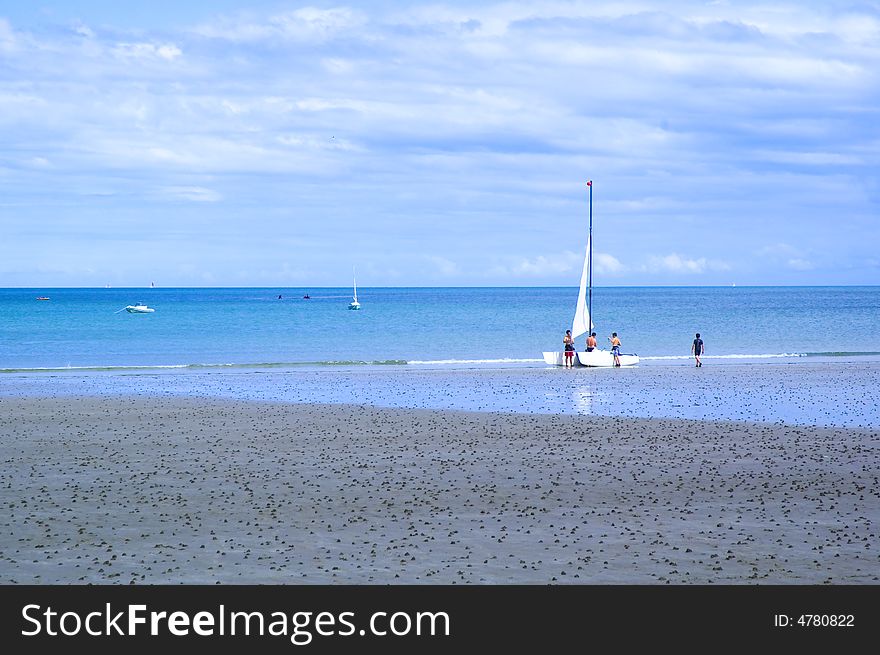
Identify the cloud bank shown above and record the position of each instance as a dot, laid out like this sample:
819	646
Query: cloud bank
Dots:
459	132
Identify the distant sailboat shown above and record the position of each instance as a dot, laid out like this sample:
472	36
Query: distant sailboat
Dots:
583	315
354	304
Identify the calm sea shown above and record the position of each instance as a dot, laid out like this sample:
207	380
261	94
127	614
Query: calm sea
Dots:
205	327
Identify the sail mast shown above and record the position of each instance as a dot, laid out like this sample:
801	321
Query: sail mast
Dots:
582	319
590	260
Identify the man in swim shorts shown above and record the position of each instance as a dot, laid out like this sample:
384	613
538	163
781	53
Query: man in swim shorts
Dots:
697	349
569	349
591	342
615	348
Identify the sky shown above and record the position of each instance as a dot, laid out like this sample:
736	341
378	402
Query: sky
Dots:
438	144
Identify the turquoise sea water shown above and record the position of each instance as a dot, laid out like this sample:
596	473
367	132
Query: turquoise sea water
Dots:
797	355
448	327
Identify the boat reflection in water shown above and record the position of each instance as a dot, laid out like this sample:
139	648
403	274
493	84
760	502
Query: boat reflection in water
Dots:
582	398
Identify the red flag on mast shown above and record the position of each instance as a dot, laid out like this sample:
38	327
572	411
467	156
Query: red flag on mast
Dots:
590	183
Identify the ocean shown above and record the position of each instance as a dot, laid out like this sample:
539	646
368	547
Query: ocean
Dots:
798	355
446	327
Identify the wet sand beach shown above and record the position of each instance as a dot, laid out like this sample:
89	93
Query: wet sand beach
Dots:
184	490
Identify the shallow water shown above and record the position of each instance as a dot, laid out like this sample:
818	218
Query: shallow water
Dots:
834	393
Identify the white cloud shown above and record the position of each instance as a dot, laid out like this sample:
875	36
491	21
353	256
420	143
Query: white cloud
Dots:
786	255
605	263
311	22
308	24
38	162
675	263
540	266
800	264
166	51
312	142
338	66
8	40
83	30
444	266
778	250
193	193
809	158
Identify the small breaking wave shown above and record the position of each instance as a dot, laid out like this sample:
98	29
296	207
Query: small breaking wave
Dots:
451	362
153	367
739	356
505	360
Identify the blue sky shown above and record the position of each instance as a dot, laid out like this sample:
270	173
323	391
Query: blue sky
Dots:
280	144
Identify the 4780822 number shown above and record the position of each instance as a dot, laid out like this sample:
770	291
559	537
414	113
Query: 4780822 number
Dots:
815	621
827	620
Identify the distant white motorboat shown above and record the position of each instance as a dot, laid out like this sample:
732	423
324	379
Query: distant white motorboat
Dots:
140	308
583	315
354	304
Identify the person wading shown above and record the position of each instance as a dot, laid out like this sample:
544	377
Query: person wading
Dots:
697	349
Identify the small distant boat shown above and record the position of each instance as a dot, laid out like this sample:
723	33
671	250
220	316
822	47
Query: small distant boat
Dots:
307	297
140	308
42	297
354	304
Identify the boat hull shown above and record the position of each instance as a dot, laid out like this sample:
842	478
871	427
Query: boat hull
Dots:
596	359
604	359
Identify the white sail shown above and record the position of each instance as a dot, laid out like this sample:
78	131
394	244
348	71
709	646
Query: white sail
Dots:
582	323
354	304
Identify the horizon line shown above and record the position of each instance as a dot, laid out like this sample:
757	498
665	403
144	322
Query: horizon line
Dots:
542	286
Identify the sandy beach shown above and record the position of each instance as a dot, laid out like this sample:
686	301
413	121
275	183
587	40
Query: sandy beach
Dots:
176	490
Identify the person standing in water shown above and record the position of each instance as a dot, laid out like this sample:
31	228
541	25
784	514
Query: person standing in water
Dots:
568	342
697	349
591	342
615	348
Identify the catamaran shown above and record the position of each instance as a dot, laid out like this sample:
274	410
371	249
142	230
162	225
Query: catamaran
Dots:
583	313
354	304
